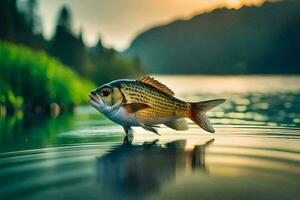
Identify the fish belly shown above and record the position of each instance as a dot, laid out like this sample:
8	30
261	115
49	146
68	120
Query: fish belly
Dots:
146	116
122	117
153	116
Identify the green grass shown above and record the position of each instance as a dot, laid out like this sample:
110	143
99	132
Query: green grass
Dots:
31	78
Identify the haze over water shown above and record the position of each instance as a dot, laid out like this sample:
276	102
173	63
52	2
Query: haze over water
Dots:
119	22
254	154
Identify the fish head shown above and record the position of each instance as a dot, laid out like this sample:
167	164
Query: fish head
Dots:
105	98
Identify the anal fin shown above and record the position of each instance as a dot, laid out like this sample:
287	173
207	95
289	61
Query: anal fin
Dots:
178	124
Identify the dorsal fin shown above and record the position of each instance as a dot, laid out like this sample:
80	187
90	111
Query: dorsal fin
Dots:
151	81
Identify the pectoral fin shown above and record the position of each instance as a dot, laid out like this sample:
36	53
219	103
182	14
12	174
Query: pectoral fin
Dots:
134	107
178	124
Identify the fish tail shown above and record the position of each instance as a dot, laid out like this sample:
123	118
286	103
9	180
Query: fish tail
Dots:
198	110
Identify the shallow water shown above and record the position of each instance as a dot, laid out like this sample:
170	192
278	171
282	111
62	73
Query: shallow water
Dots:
254	154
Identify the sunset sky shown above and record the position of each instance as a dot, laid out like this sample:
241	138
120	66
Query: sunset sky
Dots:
119	21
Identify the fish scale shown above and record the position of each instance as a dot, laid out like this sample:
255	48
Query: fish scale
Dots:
162	105
146	102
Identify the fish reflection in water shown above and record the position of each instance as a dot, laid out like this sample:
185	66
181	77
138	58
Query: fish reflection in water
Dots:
141	170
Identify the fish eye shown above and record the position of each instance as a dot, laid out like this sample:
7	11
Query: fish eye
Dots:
105	91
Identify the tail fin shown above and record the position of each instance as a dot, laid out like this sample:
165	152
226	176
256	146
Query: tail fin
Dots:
198	111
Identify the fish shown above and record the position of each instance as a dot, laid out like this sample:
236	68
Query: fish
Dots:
147	103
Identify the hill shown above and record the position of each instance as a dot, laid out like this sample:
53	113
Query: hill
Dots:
250	40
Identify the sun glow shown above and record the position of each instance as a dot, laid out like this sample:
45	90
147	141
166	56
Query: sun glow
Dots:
234	3
119	22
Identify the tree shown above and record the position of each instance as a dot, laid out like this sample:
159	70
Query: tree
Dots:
63	42
33	20
9	20
67	47
65	19
18	25
110	65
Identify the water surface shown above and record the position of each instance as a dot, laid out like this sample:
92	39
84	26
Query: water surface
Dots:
254	154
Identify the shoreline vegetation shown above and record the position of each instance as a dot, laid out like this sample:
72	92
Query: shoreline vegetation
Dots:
40	76
33	81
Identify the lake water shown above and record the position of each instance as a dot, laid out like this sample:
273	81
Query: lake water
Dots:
254	154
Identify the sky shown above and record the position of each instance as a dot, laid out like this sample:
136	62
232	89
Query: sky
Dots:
118	22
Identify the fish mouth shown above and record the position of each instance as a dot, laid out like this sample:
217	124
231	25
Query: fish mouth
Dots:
94	100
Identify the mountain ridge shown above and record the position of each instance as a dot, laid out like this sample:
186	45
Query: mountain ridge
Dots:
249	40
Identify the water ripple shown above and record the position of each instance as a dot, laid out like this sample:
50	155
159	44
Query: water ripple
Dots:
270	151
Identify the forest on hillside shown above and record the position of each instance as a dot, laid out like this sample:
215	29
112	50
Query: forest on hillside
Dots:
250	40
20	24
39	75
